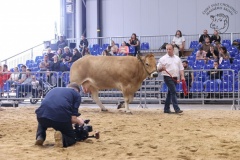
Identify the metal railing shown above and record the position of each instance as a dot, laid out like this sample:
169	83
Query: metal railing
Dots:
203	90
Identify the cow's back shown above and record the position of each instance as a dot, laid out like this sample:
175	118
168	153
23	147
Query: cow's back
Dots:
107	71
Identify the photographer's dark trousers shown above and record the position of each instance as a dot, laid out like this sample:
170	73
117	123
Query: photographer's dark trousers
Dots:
68	134
172	94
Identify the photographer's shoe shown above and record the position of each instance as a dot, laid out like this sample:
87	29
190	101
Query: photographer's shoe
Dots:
58	139
39	141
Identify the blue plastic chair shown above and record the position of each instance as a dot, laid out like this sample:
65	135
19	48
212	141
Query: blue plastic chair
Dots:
197	86
131	49
226	87
164	88
105	45
211	86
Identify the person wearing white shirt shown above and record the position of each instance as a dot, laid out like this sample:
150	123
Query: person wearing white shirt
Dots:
171	66
179	41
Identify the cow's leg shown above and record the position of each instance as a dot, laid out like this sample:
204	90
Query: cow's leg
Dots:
96	99
127	99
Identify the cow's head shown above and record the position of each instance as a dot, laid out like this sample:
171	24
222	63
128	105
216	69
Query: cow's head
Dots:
220	22
149	63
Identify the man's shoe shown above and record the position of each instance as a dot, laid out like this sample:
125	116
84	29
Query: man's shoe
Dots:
58	139
167	111
39	141
179	111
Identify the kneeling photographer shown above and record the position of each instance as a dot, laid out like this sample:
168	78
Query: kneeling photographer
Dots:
59	110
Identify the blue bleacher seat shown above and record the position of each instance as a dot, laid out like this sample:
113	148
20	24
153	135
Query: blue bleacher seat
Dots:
226	62
131	49
191	58
179	87
104	46
236	84
226	87
200	62
197	86
95	46
144	46
164	88
227	78
38	58
208	66
211	86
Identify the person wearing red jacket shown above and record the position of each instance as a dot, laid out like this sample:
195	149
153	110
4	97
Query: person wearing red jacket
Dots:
4	76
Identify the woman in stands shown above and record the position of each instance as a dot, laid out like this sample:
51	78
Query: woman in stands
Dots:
212	54
124	48
215	37
133	41
114	48
76	55
224	55
179	41
201	54
59	54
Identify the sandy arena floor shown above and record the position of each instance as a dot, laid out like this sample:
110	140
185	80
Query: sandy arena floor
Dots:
146	134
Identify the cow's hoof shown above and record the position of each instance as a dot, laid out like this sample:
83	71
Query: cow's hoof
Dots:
104	110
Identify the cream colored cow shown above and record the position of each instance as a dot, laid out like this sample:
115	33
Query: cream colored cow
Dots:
125	73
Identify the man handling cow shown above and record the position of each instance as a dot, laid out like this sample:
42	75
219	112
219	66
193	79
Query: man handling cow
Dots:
171	65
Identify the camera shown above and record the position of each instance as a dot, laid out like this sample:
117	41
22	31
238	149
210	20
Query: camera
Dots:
82	132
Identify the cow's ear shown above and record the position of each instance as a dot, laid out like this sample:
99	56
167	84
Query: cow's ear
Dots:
212	17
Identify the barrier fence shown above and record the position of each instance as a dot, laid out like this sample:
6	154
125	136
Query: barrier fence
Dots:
204	89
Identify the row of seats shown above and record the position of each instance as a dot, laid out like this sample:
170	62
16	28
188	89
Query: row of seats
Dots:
211	86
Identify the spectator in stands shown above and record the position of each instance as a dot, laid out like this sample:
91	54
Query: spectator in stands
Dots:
106	53
45	64
76	55
215	37
212	54
114	48
14	76
215	73
201	54
179	41
55	66
203	36
83	45
35	85
133	41
170	72
59	54
67	55
4	76
188	74
6	72
22	75
50	54
217	46
61	43
1	80
207	44
25	86
224	55
124	48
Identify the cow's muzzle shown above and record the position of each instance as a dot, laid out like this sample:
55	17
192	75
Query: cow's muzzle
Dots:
154	74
